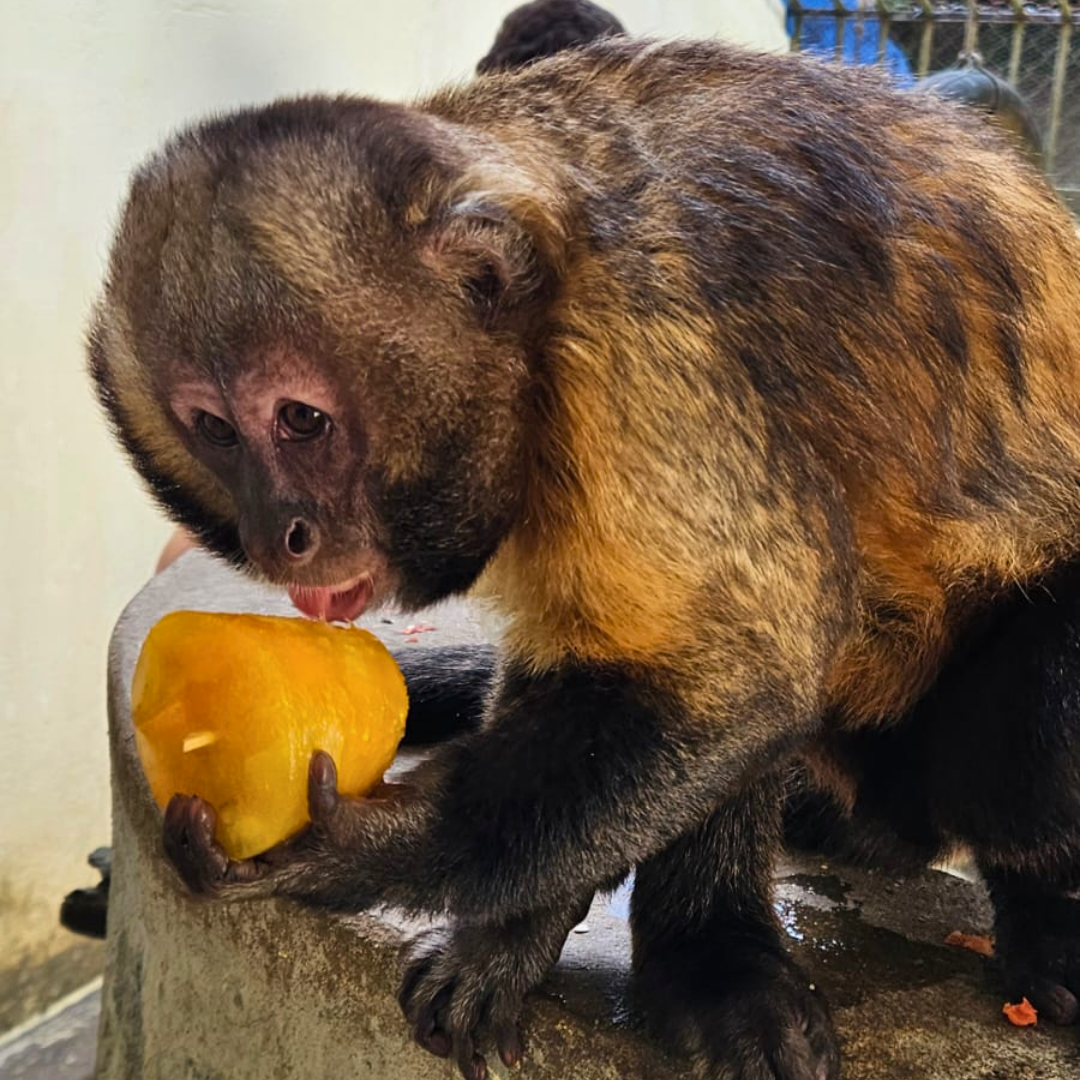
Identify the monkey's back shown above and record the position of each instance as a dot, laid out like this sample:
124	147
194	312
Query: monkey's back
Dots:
821	283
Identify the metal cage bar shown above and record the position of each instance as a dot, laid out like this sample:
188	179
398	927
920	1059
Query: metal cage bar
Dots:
1032	48
1061	69
971	29
926	48
1016	50
1056	12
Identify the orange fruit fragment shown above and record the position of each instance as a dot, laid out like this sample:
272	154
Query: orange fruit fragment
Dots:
978	943
231	708
1022	1015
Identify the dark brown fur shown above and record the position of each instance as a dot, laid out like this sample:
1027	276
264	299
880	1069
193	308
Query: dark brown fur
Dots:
546	27
740	383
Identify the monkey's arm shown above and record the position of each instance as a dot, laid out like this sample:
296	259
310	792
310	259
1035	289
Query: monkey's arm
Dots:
578	774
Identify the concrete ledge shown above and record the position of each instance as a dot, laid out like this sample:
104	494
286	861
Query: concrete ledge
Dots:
272	991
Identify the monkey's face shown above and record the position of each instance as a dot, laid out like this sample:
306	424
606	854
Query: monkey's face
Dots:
287	445
315	343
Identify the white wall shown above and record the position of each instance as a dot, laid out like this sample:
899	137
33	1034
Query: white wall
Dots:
86	89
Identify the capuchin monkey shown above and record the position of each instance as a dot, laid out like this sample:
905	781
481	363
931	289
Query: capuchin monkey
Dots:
741	424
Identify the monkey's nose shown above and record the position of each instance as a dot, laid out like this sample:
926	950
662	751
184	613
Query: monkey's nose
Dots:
301	541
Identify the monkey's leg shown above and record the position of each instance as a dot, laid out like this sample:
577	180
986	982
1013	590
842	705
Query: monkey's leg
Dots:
469	981
1003	754
990	758
709	961
861	798
1037	941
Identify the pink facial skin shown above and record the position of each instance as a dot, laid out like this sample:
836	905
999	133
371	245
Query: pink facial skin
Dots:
251	404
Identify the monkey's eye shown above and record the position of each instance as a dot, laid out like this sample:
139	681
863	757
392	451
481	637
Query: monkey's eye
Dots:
298	421
214	430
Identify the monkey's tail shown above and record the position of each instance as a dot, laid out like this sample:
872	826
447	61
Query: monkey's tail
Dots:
448	689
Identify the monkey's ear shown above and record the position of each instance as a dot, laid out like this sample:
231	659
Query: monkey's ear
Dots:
499	257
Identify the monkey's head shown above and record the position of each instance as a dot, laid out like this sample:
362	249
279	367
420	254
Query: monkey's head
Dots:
546	27
317	342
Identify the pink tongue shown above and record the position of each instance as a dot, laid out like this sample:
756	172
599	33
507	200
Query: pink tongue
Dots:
332	604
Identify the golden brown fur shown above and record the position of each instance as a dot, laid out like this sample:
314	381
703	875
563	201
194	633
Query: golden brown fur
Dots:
592	578
636	545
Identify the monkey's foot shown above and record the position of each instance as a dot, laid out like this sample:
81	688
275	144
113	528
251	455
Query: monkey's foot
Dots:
1039	957
467	983
740	1009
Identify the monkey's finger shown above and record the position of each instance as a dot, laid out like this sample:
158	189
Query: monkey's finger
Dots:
416	969
503	1012
188	837
322	787
471	1064
1052	1001
429	1030
245	871
508	1041
435	1042
824	1057
819	1032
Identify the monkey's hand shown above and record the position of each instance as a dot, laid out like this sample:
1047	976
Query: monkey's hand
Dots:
467	982
190	824
746	1012
460	983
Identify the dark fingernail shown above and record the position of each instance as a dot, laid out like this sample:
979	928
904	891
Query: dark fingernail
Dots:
510	1049
322	785
323	770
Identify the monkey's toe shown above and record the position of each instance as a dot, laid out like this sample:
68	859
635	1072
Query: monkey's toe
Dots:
458	989
1039	958
189	842
745	1012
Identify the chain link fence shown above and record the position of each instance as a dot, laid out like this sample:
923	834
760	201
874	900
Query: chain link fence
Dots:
1036	47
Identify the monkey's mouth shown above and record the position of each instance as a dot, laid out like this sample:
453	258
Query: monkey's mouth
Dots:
334	603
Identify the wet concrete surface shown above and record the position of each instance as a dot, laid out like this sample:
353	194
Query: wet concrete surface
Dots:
906	1005
252	990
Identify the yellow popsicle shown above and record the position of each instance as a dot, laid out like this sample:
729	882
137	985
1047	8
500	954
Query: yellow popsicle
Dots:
231	708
